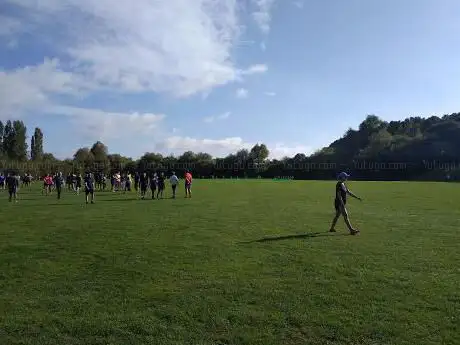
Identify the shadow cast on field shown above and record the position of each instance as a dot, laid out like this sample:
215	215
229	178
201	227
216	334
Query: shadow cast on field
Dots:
28	198
118	200
178	203
52	204
298	237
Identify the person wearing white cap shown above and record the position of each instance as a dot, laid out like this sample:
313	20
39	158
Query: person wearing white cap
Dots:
341	192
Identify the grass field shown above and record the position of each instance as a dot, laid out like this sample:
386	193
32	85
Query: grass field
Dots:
242	262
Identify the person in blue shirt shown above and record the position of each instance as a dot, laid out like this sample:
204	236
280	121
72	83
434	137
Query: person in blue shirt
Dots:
2	181
341	193
89	187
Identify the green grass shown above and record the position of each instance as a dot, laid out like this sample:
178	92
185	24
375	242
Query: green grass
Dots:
242	262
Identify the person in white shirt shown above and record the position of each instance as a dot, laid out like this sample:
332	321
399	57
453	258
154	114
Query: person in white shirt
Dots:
174	181
117	182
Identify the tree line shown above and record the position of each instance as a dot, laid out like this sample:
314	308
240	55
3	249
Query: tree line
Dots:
412	149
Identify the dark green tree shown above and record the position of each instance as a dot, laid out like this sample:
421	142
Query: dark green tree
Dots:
2	127
14	141
100	153
20	141
8	135
36	145
83	159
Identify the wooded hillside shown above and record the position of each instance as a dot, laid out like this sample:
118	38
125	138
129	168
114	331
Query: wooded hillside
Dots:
413	149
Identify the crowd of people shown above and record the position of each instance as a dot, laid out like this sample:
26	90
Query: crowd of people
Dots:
155	182
141	182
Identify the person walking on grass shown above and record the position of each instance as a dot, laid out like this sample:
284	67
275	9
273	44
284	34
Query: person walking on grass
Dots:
2	181
89	187
59	181
174	181
136	181
12	183
127	183
161	185
78	183
48	184
153	183
68	181
143	183
341	193
188	184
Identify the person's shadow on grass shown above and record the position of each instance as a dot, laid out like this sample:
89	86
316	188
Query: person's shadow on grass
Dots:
120	200
294	237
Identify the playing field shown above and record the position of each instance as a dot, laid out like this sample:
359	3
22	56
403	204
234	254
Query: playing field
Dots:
242	262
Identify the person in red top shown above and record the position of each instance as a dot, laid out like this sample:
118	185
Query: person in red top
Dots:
48	184
188	184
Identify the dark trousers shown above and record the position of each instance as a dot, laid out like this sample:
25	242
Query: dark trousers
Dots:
11	192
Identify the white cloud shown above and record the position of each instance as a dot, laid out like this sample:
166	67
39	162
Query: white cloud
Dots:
101	125
241	93
145	45
262	15
215	147
211	119
279	151
138	46
263	46
33	87
255	69
270	94
223	147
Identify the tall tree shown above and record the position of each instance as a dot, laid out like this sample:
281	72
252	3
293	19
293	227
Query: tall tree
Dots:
371	124
242	156
259	152
151	161
8	136
32	148
2	127
100	153
20	141
36	145
187	157
83	159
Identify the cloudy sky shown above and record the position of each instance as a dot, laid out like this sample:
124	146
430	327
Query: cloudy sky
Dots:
217	76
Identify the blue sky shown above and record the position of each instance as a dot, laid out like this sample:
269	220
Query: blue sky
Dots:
176	75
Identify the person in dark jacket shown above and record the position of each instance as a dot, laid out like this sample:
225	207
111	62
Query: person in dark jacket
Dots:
160	185
143	183
89	187
58	182
12	183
